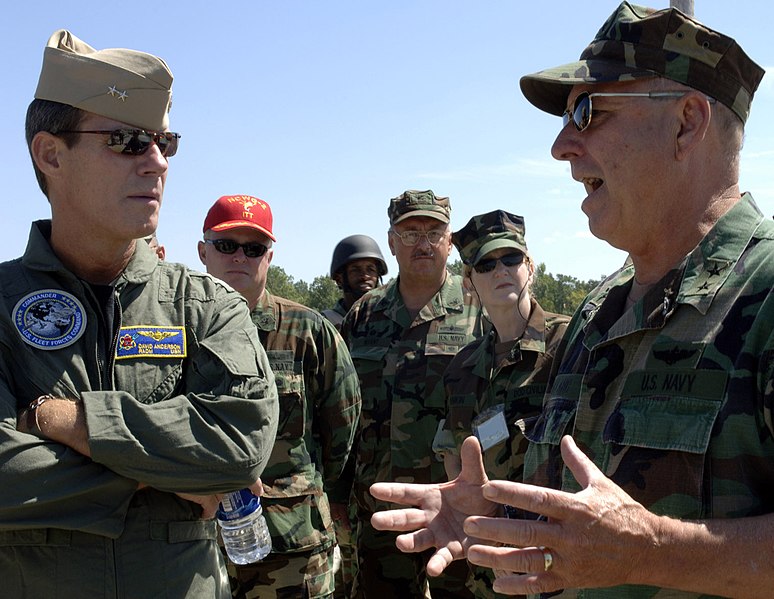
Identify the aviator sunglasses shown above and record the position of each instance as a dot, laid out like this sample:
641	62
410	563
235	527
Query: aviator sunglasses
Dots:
252	249
135	142
489	264
582	110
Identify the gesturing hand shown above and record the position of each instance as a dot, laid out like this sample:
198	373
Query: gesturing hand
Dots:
440	511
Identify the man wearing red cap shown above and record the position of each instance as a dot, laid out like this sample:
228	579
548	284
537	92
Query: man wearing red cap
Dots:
319	407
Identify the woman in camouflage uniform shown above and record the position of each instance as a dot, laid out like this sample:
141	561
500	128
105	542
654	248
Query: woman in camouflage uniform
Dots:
495	385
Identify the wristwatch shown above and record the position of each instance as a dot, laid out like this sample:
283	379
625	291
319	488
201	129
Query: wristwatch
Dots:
32	414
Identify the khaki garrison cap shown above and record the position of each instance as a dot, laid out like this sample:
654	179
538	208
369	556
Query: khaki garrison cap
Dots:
126	85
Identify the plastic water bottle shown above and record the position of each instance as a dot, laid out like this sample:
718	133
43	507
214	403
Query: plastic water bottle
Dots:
243	527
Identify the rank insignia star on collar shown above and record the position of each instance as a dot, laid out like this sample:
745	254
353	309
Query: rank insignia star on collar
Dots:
112	91
123	96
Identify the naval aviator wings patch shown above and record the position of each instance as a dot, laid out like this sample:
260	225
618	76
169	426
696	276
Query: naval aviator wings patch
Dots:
151	341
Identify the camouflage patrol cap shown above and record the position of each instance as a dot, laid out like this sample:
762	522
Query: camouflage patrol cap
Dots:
638	42
418	203
488	232
126	85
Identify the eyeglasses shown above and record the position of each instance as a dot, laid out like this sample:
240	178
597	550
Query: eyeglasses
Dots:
582	109
135	142
252	249
489	264
412	237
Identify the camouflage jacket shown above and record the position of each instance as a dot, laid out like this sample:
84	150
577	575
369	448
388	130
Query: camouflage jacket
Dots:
400	364
319	400
673	399
477	388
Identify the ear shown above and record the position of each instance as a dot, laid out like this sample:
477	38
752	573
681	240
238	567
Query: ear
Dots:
45	149
161	251
269	256
389	242
201	247
695	115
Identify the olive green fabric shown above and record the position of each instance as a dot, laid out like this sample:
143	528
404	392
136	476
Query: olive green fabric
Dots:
205	423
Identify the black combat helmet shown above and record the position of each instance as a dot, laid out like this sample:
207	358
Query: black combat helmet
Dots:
357	247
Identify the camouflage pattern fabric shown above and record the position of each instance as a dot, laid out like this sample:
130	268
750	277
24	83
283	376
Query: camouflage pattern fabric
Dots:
413	203
640	42
319	399
488	232
400	363
476	385
673	399
277	576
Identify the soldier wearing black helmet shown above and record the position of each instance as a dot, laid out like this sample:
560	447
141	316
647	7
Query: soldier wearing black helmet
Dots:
357	267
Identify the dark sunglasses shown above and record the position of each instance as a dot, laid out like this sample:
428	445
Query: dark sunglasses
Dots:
489	264
582	110
135	142
252	249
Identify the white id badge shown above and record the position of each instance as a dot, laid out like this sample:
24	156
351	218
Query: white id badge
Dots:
490	427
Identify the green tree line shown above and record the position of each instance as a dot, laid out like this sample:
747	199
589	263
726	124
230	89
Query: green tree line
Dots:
555	293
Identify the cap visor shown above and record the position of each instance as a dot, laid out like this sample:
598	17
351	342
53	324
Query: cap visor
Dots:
241	224
430	213
548	90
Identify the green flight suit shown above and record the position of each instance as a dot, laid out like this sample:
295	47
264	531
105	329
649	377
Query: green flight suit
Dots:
178	395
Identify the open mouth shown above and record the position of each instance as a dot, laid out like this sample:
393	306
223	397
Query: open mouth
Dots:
591	183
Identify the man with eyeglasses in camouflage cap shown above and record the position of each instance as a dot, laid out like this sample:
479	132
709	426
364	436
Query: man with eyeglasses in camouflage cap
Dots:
402	337
127	406
655	448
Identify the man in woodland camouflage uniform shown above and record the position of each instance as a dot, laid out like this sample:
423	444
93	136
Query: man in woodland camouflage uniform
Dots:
319	407
402	337
654	453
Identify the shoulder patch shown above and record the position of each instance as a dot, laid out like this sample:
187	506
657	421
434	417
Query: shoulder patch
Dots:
49	319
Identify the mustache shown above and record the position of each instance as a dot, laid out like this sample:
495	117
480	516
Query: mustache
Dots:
423	254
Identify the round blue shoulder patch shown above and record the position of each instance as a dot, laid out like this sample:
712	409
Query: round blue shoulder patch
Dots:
49	319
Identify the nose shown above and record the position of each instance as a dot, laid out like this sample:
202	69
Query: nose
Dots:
153	162
239	256
568	143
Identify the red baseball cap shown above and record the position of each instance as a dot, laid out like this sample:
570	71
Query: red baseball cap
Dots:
231	212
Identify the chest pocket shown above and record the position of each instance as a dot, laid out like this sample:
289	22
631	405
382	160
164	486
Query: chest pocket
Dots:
369	361
662	426
289	378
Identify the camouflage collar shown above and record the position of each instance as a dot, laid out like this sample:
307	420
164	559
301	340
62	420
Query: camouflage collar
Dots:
695	281
448	299
264	315
533	339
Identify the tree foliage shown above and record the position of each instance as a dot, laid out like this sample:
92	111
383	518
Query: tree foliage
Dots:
555	293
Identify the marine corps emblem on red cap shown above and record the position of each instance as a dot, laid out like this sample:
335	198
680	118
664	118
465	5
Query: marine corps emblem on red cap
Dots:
231	212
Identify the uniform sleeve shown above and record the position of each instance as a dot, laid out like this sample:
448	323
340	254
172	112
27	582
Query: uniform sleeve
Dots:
215	434
336	392
69	489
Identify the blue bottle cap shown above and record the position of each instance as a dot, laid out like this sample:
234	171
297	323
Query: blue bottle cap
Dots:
238	505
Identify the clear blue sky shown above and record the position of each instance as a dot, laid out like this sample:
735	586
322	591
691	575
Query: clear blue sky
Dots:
328	109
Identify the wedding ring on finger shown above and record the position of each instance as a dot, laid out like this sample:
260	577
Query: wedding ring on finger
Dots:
548	559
